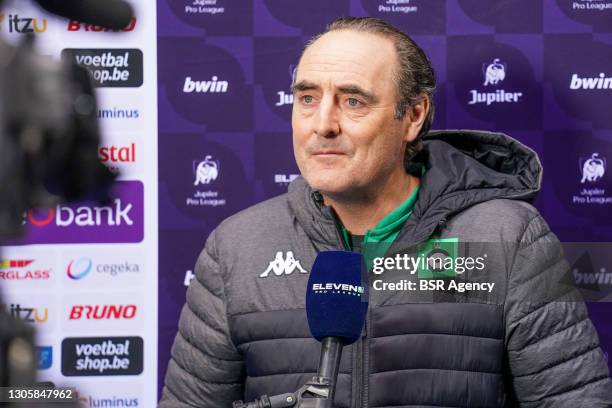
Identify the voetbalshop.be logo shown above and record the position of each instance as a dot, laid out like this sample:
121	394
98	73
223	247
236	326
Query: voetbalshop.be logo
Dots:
102	356
87	222
109	67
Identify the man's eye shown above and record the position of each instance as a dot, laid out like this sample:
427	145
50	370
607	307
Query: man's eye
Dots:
307	98
353	102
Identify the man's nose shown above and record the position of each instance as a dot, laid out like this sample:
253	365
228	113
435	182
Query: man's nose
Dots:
328	124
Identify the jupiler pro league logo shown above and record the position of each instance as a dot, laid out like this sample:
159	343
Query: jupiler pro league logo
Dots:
593	168
206	171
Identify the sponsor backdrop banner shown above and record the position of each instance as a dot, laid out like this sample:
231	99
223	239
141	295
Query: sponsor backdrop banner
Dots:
537	70
85	275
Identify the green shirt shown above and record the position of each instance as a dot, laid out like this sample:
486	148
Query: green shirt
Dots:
377	241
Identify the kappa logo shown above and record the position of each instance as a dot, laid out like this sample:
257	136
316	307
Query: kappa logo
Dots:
283	266
494	72
593	168
206	171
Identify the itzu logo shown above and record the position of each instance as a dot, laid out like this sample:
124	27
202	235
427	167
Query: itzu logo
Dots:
88	356
494	74
26	314
205	172
592	170
283	265
20	269
339	288
23	25
286	98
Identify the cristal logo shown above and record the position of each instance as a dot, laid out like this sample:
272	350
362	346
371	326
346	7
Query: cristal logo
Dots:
16	269
26	314
79	269
339	288
599	82
103	312
494	74
205	171
212	86
118	154
74	25
61	216
24	25
593	168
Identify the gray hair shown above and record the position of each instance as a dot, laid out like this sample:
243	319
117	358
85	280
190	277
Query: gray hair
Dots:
415	78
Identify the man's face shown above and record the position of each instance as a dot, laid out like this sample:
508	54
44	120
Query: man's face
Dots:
345	137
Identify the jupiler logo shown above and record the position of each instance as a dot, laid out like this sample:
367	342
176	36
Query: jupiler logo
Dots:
283	265
494	74
286	98
206	171
592	170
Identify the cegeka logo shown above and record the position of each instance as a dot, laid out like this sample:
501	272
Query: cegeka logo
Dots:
20	269
74	25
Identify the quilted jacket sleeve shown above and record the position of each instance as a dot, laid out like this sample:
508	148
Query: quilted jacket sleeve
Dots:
205	370
552	347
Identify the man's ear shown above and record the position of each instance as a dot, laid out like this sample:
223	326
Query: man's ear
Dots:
415	117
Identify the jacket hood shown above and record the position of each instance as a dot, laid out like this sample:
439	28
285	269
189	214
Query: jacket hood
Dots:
461	168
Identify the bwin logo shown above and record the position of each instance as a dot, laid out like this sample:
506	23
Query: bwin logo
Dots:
494	72
206	171
212	86
593	168
284	266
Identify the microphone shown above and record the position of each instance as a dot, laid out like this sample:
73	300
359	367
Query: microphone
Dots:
336	307
111	14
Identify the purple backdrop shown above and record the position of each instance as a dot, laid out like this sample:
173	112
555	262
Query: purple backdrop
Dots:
225	106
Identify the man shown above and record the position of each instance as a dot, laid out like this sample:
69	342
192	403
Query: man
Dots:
362	104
